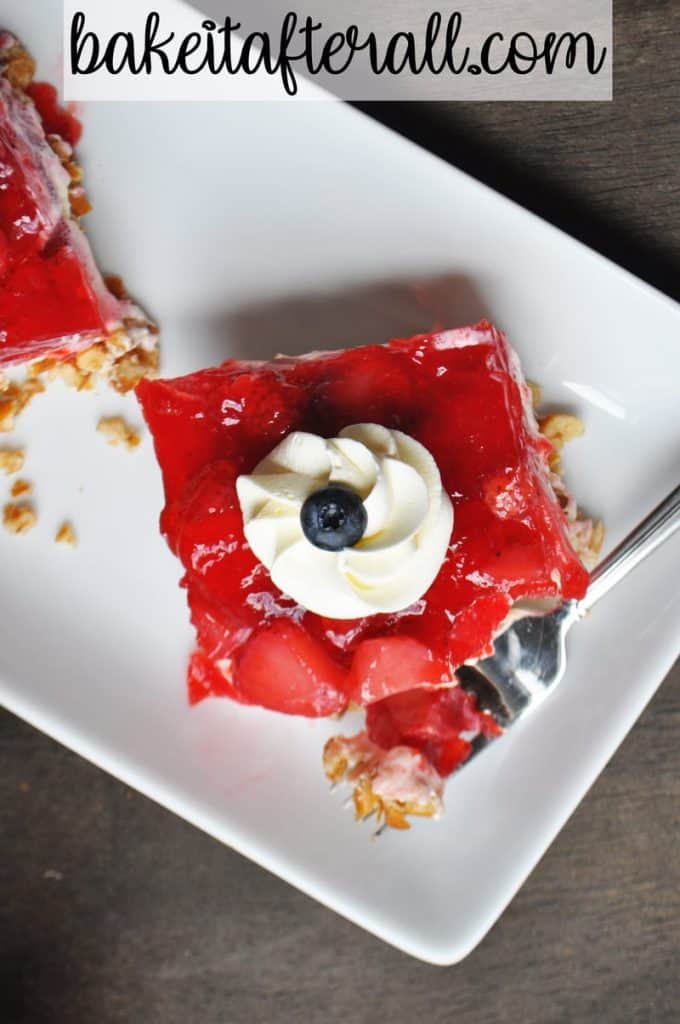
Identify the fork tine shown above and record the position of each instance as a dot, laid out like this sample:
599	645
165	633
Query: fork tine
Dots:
479	744
489	697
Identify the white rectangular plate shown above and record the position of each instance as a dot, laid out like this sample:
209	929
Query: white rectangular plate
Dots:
248	229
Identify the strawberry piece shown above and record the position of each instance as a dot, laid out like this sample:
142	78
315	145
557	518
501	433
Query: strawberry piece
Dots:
388	665
284	669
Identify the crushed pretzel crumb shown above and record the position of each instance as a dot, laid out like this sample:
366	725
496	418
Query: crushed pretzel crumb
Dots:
117	432
116	286
19	518
69	373
80	204
8	412
75	172
92	359
20	488
585	534
14	397
117	344
38	367
392	784
11	460
119	359
559	428
18	67
66	535
27	391
60	147
132	367
587	538
536	393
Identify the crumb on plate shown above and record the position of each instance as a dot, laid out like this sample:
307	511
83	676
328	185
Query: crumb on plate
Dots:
11	460
585	534
392	784
15	396
112	360
19	518
66	535
18	66
117	432
560	427
536	393
20	488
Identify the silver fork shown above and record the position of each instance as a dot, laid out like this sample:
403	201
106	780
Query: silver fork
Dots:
529	658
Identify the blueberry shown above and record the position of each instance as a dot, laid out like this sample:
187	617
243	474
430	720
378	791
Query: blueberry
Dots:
333	518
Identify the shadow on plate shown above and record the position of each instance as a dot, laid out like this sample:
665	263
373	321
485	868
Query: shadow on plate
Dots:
465	136
366	315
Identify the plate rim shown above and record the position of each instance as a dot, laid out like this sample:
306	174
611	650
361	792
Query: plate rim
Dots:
441	954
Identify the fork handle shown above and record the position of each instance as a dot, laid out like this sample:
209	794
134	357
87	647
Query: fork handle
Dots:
658	526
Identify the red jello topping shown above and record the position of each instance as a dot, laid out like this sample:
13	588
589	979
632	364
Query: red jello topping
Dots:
459	395
442	724
51	296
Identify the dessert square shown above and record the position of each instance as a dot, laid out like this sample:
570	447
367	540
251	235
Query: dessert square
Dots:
227	440
54	302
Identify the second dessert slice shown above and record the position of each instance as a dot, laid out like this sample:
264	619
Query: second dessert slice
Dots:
54	303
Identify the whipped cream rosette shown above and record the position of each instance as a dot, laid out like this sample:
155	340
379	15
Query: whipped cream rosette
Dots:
378	489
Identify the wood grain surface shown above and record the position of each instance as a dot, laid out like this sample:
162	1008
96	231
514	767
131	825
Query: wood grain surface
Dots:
113	911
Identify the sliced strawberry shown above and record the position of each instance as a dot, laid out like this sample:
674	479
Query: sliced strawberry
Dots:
284	669
391	664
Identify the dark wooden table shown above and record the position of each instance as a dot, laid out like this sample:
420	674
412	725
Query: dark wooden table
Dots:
113	910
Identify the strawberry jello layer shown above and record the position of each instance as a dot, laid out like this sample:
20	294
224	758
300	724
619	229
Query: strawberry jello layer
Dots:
459	393
53	300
